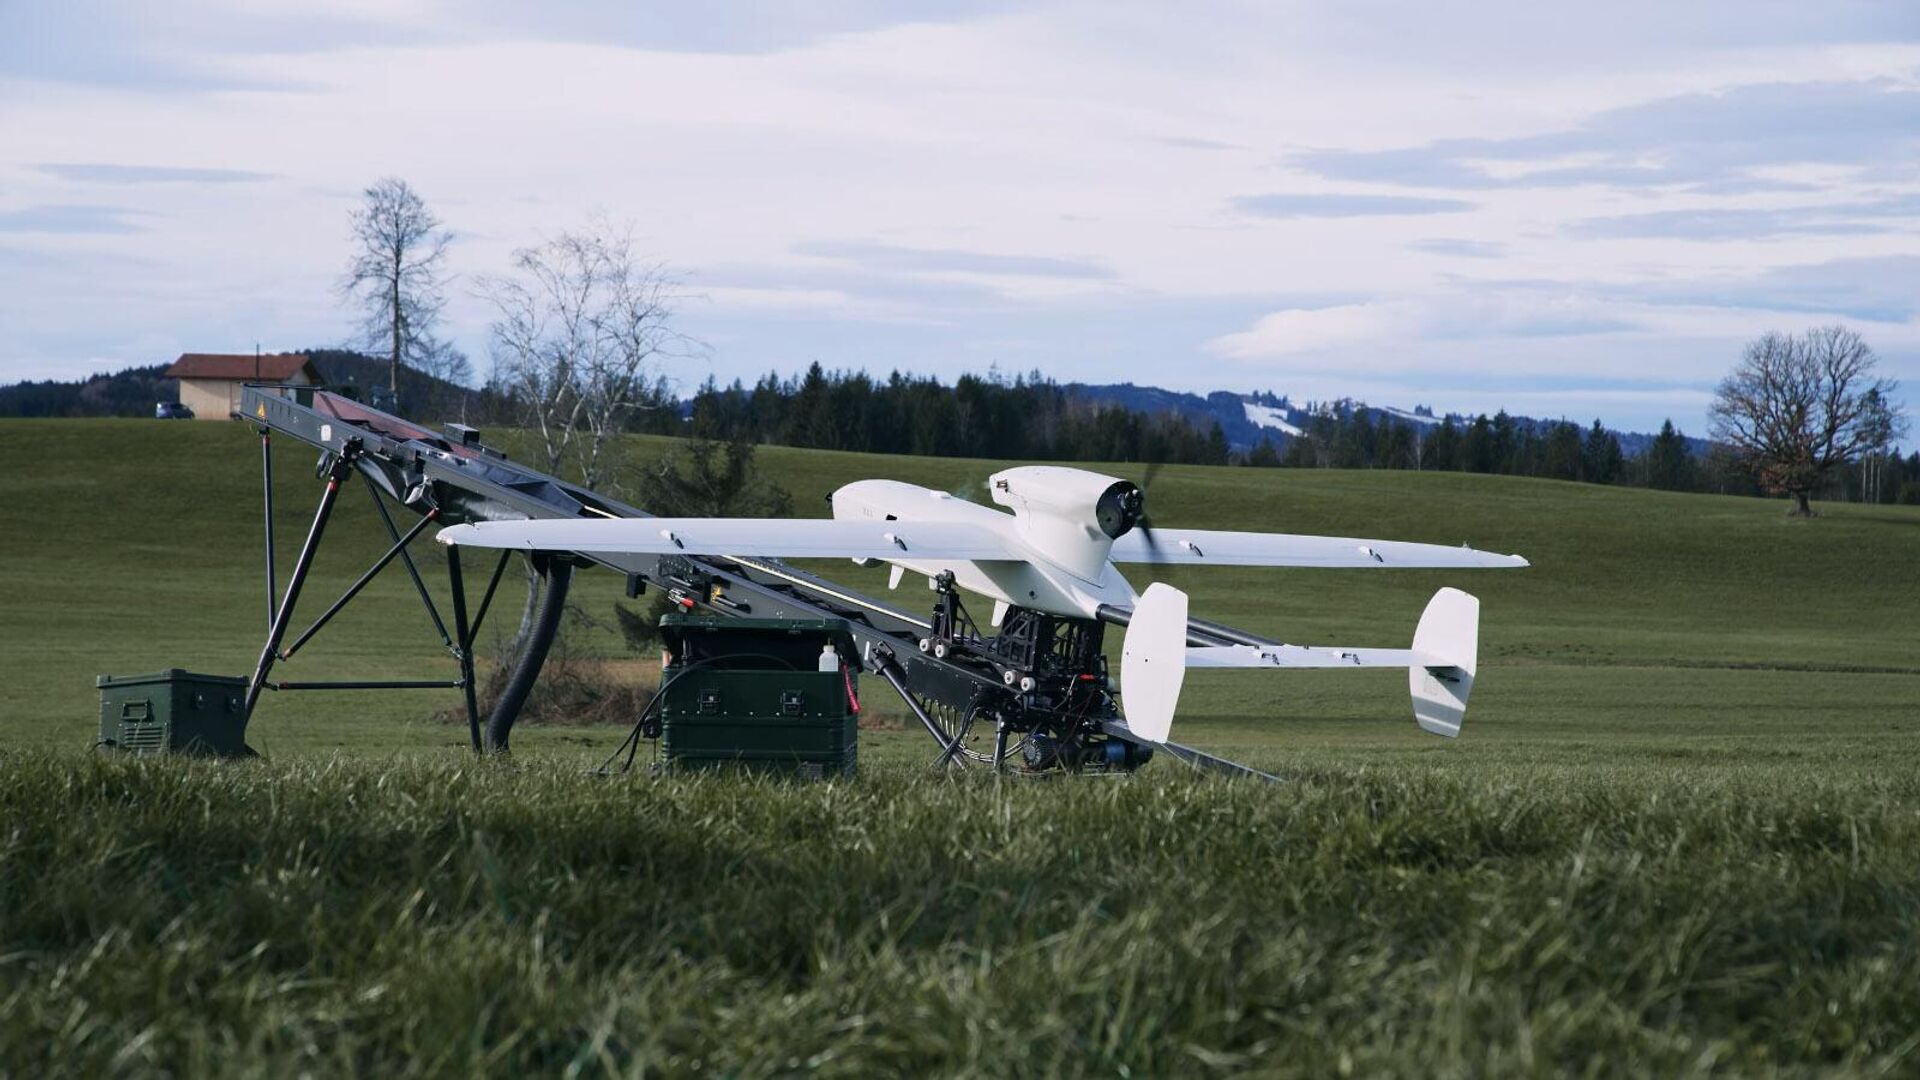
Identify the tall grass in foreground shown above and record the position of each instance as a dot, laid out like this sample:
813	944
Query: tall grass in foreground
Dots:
415	919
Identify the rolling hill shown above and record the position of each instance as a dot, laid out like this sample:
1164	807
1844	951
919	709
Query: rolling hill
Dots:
1253	418
134	546
1678	836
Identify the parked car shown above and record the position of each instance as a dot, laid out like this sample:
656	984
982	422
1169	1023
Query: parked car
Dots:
171	410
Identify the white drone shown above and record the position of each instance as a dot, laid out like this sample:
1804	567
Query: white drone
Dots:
1055	553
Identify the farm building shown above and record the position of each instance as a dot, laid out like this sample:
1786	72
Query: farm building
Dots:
210	382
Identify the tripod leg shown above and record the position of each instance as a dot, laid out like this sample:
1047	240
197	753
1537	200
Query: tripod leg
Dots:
341	466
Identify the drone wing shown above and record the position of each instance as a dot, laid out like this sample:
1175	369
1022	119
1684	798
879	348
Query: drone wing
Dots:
1200	547
796	538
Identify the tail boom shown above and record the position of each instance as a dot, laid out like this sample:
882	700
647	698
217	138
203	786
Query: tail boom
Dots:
1440	666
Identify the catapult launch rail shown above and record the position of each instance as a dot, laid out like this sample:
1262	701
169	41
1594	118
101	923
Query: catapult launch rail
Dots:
451	477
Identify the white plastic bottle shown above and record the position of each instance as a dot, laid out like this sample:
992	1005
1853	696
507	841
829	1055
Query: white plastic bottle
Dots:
829	659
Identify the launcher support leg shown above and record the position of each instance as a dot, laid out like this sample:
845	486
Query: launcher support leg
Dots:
463	635
1000	747
486	600
266	491
889	669
353	590
406	559
342	465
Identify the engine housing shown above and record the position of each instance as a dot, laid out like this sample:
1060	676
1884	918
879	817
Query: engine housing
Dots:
1071	515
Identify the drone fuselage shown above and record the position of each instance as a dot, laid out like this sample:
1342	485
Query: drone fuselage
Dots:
1063	522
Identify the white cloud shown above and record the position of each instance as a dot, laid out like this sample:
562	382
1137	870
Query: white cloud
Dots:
1018	146
1475	313
741	297
1302	330
1534	332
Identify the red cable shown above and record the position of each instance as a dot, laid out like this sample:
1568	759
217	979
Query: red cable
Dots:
847	677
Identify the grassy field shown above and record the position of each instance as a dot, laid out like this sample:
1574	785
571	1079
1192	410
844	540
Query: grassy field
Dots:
1678	835
1650	917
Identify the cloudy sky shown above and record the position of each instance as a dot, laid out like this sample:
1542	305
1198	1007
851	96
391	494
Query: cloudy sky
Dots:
1562	210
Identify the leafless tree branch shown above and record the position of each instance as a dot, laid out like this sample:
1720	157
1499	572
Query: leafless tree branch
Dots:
397	277
1798	407
582	338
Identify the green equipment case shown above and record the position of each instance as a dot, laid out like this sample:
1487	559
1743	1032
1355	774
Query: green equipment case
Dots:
174	711
750	693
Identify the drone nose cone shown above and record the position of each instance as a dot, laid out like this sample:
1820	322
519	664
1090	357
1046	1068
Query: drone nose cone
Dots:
1120	508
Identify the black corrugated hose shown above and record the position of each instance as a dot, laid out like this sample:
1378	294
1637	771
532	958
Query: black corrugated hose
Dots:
558	573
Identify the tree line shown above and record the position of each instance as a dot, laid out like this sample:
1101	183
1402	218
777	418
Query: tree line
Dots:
1348	435
1027	416
131	392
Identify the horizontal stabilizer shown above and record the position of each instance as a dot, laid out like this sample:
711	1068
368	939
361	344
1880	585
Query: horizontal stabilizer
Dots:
1294	656
1440	666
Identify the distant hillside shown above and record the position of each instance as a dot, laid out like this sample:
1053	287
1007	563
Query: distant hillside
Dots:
1247	420
365	378
134	391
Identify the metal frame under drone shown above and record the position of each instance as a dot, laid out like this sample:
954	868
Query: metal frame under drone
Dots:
1039	685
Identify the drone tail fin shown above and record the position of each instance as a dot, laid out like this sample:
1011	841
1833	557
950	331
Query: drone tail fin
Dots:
1446	651
1153	661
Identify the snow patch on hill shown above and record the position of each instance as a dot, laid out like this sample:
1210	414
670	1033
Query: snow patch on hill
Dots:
1402	414
1267	416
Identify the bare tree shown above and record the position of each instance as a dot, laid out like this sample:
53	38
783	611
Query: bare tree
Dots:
1881	426
1798	406
582	335
396	276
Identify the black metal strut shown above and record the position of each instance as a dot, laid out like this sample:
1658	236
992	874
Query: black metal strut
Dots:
889	669
463	631
342	464
266	492
399	548
393	532
486	601
369	684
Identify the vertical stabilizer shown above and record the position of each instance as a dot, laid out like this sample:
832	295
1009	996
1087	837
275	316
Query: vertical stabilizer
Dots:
1153	661
1446	650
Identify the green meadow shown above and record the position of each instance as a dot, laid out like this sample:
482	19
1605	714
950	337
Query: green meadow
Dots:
1680	834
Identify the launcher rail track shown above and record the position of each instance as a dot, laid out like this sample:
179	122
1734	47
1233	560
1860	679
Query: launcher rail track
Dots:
451	477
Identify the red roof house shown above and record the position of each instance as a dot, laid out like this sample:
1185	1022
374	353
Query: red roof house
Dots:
210	382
